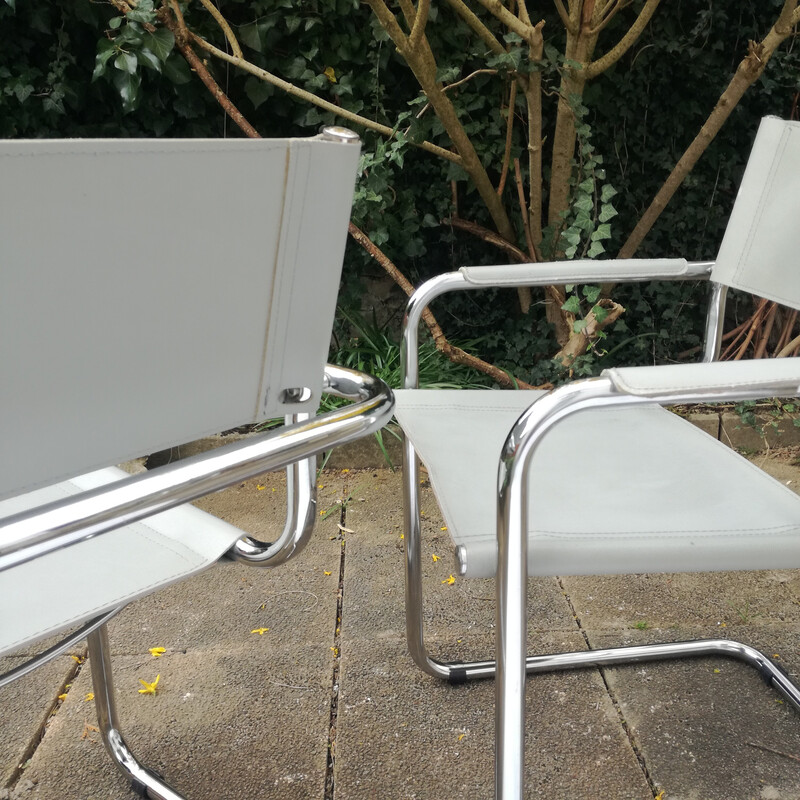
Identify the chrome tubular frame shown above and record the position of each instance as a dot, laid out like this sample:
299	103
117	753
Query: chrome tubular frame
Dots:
145	782
57	525
48	528
454	671
513	664
512	577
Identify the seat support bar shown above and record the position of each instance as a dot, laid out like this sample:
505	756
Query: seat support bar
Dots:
145	782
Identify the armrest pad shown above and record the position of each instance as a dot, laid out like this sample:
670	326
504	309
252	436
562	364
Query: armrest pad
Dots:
581	271
778	377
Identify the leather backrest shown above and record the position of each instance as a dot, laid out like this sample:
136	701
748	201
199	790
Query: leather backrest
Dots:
760	251
155	291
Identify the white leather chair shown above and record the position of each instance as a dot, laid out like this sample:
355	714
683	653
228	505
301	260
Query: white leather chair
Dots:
664	497
153	292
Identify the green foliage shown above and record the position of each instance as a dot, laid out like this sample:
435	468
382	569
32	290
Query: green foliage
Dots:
78	69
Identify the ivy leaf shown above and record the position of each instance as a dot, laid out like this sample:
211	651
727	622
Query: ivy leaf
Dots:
105	49
149	59
12	4
126	62
602	232
600	313
584	203
572	305
128	87
177	70
142	12
160	43
257	91
578	325
607	212
595	249
587	186
572	236
607	193
591	293
251	36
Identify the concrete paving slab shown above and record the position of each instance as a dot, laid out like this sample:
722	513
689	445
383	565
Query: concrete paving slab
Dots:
214	607
374	574
225	723
403	734
724	599
771	431
708	729
27	704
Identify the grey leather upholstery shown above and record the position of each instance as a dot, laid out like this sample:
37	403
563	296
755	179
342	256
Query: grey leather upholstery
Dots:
620	490
759	252
152	292
81	582
635	489
187	278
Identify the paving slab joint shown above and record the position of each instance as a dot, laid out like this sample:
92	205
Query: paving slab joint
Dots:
50	712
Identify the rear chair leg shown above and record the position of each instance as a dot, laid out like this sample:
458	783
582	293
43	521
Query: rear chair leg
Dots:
144	782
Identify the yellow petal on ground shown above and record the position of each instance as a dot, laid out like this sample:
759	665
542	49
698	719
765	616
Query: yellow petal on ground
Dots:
345	471
89	697
77	659
149	688
259	631
449	581
62	697
326	572
260	487
461	736
157	652
443	528
402	536
434	557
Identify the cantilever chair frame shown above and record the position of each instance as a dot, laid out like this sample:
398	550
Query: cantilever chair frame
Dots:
48	528
512	662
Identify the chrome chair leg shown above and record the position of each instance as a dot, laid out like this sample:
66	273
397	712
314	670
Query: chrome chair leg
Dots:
145	782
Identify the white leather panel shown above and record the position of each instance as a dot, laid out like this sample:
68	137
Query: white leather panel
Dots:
759	252
612	491
579	271
780	377
77	583
156	291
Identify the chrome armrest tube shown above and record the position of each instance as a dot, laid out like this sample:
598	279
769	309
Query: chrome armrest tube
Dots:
455	281
48	528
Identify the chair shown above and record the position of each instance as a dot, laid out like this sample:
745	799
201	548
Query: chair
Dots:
519	521
153	292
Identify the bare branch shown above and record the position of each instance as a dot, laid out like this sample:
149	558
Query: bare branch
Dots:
477	26
296	91
633	33
562	12
512	99
420	21
512	22
455	354
488	236
223	24
523	209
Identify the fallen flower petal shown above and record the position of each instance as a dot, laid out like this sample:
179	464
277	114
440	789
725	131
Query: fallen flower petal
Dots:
149	688
259	631
449	581
434	557
89	697
326	572
157	652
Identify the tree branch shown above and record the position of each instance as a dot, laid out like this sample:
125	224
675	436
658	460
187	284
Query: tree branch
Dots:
562	12
455	354
625	43
747	73
512	22
477	26
420	21
296	91
512	99
223	24
488	236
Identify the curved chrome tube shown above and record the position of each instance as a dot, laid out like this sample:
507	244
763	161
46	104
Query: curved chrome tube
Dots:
145	782
48	528
301	514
